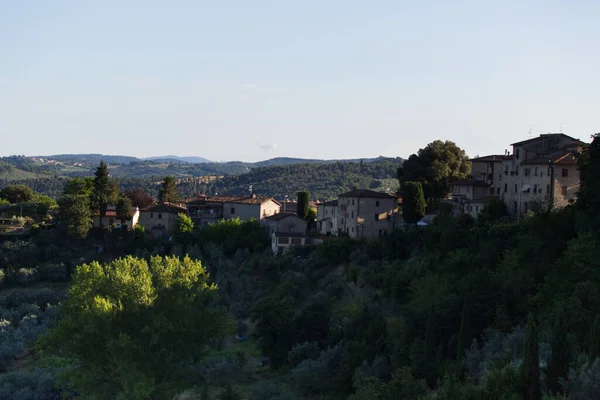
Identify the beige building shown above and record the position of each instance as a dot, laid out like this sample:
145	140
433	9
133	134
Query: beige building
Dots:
161	219
110	218
542	170
286	230
365	213
327	218
206	210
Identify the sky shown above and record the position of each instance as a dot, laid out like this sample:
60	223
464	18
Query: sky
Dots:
250	80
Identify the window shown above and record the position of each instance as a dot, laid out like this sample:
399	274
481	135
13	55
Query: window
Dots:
352	216
499	177
491	190
352	229
526	171
565	173
518	153
377	204
376	217
151	215
516	188
476	208
505	187
536	171
549	171
498	191
534	189
489	176
352	201
564	190
159	216
232	210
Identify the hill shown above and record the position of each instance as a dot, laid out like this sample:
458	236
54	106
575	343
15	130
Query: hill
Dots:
192	160
291	161
90	158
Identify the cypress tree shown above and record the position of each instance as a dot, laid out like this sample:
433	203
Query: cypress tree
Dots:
429	349
168	192
462	335
303	204
530	369
101	189
413	202
558	366
594	341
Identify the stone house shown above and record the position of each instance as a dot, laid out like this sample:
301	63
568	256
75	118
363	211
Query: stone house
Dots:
205	210
161	219
286	230
327	218
110	218
542	170
364	213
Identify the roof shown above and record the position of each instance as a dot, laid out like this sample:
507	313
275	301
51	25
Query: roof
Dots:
561	158
542	136
289	234
332	203
371	194
166	208
281	215
493	157
242	199
471	182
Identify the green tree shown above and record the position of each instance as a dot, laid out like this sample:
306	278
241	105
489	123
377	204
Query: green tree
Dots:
530	369
75	214
123	209
413	202
463	338
44	204
168	192
184	223
558	366
104	192
135	329
435	166
303	206
17	194
594	341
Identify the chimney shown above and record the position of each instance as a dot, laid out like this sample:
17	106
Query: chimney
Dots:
505	152
253	195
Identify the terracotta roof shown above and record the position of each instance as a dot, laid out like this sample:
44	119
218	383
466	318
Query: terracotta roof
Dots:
281	215
493	157
562	158
545	136
241	199
166	208
471	182
371	194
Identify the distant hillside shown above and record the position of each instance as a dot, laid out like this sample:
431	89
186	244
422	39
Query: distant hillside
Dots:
291	161
91	158
175	159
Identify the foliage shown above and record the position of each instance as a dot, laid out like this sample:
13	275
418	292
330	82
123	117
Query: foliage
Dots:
168	192
17	194
270	391
530	370
75	214
413	202
134	329
303	204
435	166
184	223
558	366
123	209
139	198
104	191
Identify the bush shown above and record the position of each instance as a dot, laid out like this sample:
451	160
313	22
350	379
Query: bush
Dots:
2	278
304	351
53	272
29	385
584	383
270	391
26	275
221	370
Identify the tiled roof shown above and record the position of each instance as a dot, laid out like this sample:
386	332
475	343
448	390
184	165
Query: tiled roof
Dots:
332	203
281	215
371	194
166	208
493	157
562	158
543	136
241	199
471	182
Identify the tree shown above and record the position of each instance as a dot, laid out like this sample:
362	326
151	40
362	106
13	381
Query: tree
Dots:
558	366
413	202
530	369
105	191
123	209
44	204
303	204
168	193
493	210
136	329
139	198
435	166
274	318
75	215
594	341
17	194
184	223
463	334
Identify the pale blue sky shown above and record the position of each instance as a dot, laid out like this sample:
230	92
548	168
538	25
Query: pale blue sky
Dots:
320	79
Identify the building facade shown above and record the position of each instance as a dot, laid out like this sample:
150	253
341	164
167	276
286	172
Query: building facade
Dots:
206	210
327	218
365	213
161	219
110	218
